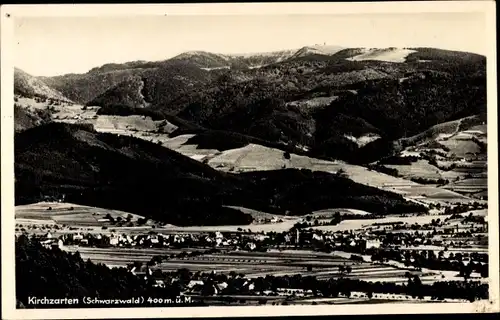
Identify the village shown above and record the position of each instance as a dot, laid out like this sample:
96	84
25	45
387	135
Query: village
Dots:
450	243
241	263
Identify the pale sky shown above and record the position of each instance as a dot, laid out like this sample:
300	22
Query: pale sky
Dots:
57	45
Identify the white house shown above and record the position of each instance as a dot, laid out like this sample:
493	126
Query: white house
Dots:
78	236
317	237
222	285
374	243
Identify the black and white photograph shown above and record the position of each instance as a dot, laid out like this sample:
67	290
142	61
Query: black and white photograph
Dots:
245	159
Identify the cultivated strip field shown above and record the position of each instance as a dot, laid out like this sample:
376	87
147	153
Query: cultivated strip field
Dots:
346	225
254	264
68	213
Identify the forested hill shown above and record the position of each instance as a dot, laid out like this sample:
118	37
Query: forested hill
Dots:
327	104
137	176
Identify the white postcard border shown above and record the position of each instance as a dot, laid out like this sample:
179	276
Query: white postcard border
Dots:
9	12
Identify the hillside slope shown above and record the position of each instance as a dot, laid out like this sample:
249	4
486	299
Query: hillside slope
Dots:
126	93
29	86
352	104
88	167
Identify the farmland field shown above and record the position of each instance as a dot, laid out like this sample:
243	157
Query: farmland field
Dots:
461	147
418	169
329	213
67	213
278	227
92	219
253	264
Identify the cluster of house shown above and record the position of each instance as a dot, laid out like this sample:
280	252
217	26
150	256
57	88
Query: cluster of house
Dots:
50	242
339	239
205	286
267	220
362	239
153	239
242	241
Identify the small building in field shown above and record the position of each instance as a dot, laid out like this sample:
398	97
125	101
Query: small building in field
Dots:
374	243
194	283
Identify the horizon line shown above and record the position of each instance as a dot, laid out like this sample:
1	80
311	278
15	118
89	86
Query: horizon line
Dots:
248	53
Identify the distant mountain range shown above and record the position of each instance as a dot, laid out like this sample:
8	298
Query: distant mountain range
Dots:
318	98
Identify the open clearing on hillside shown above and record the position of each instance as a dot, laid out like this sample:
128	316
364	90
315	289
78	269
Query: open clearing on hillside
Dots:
438	132
259	214
364	139
347	225
106	123
72	113
462	147
388	55
418	169
329	213
92	219
69	214
313	103
256	157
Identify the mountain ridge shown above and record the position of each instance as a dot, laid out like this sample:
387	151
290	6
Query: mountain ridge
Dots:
300	101
30	86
